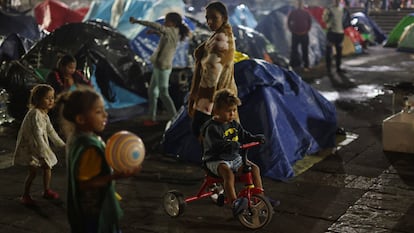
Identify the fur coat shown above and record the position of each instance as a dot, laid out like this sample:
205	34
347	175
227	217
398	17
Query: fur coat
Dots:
214	70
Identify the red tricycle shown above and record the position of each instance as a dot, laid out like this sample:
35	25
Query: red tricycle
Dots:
259	212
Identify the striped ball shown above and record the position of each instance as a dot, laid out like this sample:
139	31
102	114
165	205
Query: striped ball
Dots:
124	151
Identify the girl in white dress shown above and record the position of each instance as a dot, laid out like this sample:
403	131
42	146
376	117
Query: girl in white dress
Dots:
32	146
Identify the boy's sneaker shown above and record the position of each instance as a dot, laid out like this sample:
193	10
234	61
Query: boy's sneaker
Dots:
27	200
239	205
50	194
274	202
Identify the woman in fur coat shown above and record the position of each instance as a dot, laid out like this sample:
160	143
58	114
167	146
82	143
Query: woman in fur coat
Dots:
214	66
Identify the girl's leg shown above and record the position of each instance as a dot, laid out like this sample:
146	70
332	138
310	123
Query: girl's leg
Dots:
48	193
47	175
31	175
153	93
164	79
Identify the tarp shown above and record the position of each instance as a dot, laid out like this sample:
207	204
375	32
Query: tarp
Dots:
274	27
52	14
256	45
23	25
13	47
144	9
295	119
406	42
398	30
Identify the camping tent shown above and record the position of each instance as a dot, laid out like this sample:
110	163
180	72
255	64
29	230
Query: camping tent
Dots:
398	30
368	28
295	119
23	25
100	52
241	15
13	47
353	41
406	42
316	12
274	27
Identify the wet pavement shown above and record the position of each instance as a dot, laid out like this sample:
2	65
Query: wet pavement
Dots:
359	188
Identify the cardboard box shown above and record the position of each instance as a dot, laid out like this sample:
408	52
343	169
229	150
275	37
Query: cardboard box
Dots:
398	133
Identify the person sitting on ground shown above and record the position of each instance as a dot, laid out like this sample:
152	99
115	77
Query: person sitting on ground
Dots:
222	136
65	76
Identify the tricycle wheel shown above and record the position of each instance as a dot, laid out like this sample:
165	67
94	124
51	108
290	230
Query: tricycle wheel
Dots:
174	203
258	214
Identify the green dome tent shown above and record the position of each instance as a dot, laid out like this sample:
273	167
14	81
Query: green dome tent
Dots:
398	30
406	42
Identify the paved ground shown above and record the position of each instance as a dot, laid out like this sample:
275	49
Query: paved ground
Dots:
360	188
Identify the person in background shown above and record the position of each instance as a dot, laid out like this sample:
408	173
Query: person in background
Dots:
92	204
299	23
171	33
214	66
222	138
32	146
65	76
333	17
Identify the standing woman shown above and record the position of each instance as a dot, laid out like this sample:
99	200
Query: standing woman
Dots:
214	66
173	31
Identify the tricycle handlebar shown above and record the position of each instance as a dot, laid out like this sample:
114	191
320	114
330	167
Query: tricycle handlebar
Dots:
248	145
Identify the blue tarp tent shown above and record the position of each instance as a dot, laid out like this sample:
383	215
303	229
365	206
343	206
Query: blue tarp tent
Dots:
274	27
18	32
296	119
